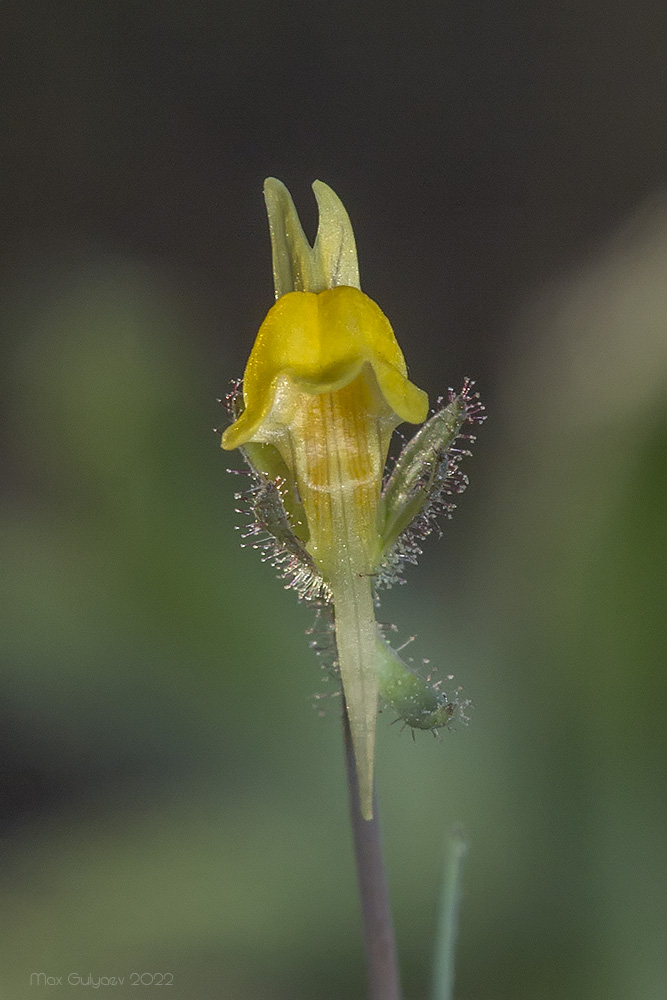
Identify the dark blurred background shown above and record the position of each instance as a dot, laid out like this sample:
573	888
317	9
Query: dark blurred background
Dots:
169	800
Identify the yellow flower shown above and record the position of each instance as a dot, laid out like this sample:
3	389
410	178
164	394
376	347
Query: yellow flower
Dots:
325	385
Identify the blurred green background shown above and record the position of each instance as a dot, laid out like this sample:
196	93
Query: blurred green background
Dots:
170	802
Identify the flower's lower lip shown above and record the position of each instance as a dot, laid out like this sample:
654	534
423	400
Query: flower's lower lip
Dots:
321	343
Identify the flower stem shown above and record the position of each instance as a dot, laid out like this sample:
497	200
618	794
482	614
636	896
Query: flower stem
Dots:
379	940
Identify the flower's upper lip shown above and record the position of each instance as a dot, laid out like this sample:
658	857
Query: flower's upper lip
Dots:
297	266
321	341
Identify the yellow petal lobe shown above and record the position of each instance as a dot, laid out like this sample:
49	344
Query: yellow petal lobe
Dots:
321	341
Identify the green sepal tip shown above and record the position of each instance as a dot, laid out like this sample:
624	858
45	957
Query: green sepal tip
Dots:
416	701
408	488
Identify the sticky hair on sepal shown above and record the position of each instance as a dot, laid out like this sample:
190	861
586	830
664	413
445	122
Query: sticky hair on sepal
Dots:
425	478
276	525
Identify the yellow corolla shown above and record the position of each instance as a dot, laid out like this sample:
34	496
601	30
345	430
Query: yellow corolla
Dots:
326	384
321	341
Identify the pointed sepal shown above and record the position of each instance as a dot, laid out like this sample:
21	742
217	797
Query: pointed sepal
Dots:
408	488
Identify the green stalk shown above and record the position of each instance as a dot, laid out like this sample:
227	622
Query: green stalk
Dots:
448	918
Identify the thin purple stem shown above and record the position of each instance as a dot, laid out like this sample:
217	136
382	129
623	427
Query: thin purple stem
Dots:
384	981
